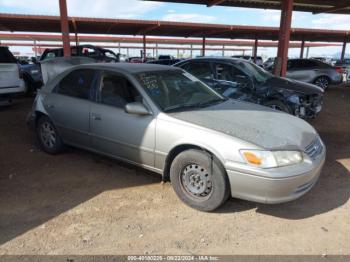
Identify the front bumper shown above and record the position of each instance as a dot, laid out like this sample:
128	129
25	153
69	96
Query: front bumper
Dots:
282	185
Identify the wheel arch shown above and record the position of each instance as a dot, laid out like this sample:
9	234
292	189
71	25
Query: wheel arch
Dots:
175	151
322	75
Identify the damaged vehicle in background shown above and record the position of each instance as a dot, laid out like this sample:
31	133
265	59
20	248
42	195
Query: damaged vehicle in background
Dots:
166	120
243	80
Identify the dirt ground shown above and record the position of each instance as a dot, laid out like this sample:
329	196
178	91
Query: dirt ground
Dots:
81	203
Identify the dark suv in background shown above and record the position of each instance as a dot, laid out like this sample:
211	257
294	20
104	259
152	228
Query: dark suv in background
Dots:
243	80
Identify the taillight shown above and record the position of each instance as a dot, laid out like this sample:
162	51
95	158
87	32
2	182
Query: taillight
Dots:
339	69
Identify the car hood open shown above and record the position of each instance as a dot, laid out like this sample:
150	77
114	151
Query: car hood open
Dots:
294	85
262	126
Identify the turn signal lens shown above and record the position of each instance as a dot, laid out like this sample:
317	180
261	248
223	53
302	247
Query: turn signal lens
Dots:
271	159
252	158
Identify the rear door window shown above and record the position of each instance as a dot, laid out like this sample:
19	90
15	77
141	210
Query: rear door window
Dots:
77	84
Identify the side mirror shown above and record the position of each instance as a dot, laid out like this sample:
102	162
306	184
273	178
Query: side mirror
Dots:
136	108
34	60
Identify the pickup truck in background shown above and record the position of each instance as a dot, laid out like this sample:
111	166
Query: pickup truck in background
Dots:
11	77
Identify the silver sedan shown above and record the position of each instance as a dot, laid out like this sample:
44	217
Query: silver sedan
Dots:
166	120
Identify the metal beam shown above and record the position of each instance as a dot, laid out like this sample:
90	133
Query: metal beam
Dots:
284	37
215	2
148	29
64	28
332	9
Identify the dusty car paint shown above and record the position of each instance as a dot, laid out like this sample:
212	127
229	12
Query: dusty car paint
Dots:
222	130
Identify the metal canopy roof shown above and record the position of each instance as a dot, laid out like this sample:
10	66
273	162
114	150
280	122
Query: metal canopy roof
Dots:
36	23
314	6
151	40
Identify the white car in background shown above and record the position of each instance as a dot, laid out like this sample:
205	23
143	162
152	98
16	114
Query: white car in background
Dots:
11	82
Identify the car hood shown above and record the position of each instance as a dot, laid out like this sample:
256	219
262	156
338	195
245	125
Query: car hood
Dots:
294	85
253	123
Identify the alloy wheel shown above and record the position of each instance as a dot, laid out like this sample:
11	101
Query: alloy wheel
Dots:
48	135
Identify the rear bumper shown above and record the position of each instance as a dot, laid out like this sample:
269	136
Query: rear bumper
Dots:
274	190
338	79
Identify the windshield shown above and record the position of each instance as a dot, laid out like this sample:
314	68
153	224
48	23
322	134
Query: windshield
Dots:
177	91
255	72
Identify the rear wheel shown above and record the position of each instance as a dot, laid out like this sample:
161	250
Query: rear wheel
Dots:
199	180
278	105
48	136
322	82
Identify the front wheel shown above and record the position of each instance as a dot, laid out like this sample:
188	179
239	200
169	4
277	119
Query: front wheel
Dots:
199	180
278	105
322	82
48	137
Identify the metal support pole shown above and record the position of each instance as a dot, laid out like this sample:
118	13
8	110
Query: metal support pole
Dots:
119	49
178	53
302	49
127	52
65	28
255	50
156	50
223	50
191	51
307	51
203	46
144	48
284	36
76	39
343	51
35	50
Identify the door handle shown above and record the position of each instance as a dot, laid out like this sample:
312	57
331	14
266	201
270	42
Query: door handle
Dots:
96	117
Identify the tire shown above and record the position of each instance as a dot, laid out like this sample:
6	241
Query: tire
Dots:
48	137
29	89
199	180
322	81
278	105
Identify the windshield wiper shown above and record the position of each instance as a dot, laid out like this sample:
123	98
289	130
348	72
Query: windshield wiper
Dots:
212	102
179	107
197	105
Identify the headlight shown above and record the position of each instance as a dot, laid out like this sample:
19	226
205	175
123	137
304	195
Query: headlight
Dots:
294	99
270	159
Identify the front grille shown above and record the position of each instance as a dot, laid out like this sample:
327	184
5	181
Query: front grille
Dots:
314	149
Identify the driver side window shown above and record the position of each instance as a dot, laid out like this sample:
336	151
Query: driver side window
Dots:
230	73
117	91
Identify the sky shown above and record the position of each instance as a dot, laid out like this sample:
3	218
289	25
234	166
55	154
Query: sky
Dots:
136	9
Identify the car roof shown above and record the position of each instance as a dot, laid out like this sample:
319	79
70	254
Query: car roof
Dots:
215	58
128	67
